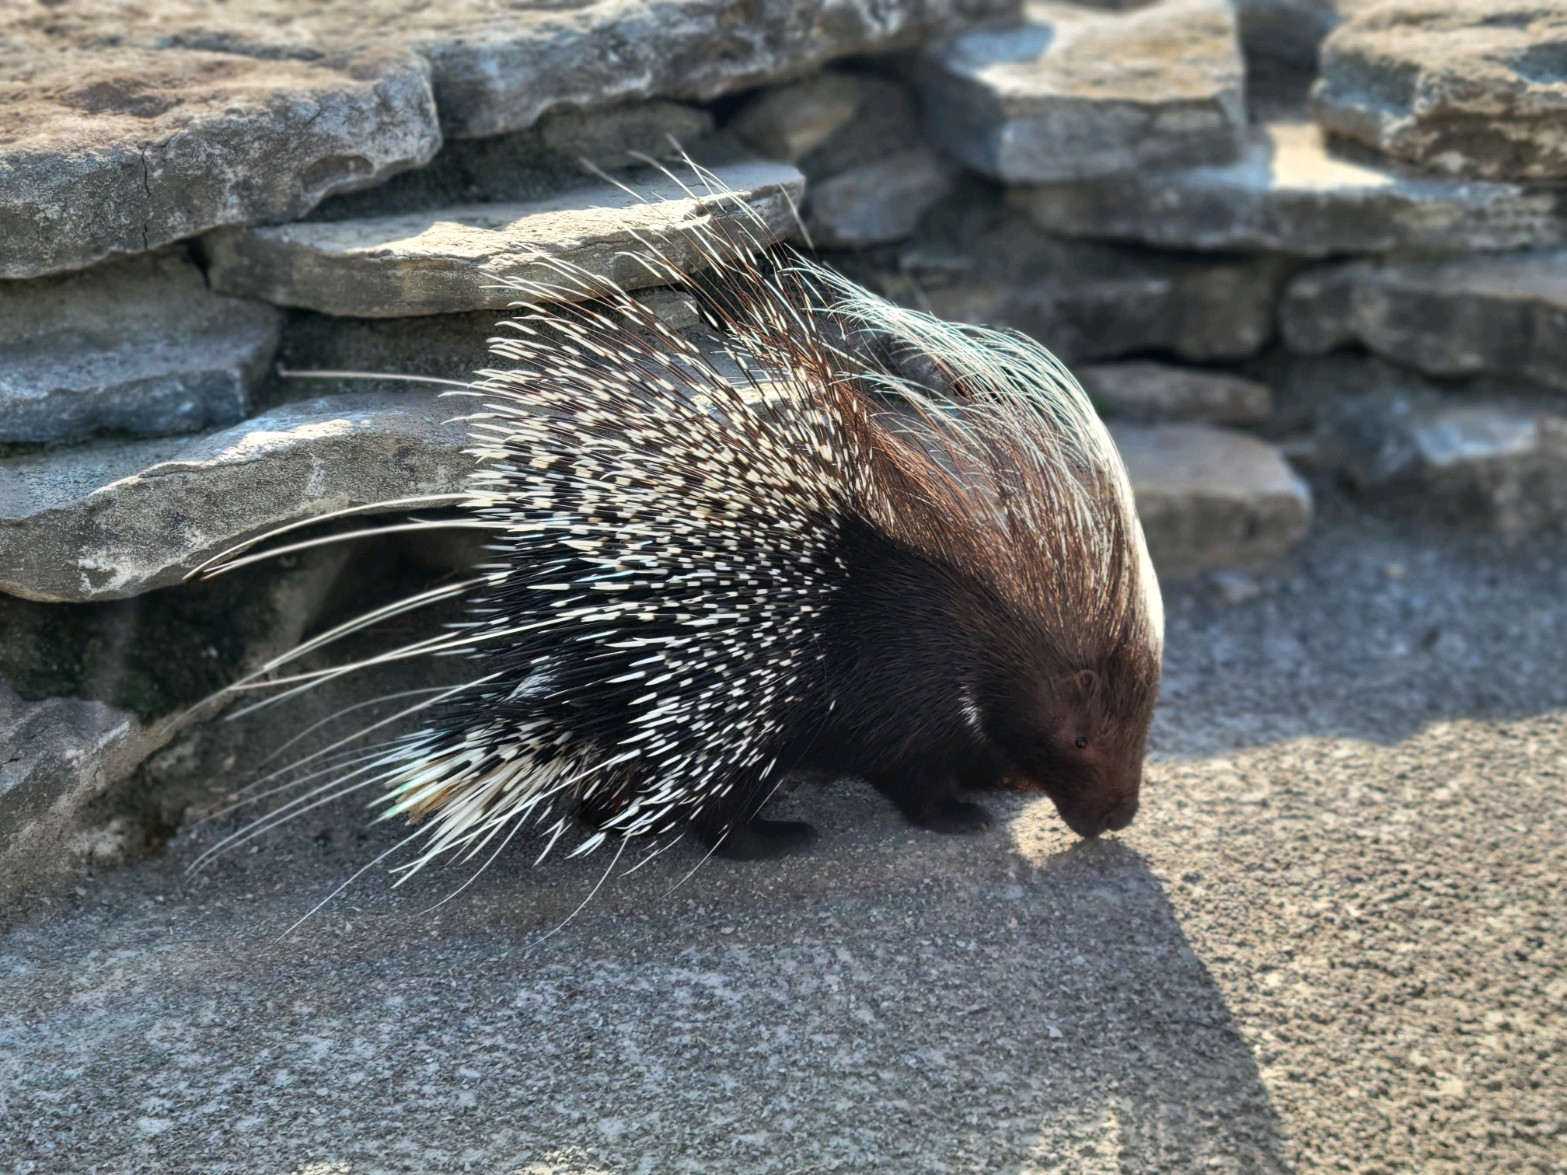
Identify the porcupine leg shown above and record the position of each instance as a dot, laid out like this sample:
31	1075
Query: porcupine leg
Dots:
761	840
730	826
928	801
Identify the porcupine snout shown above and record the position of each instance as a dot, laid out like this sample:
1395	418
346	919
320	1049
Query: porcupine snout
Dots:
1102	810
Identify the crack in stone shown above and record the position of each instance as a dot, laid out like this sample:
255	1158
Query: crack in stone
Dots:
146	183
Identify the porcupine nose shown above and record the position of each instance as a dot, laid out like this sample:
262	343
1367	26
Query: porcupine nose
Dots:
1121	815
1116	816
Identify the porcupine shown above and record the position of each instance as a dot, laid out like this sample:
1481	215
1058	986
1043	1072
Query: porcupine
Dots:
700	583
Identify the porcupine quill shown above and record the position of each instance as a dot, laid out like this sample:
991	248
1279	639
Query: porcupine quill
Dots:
698	583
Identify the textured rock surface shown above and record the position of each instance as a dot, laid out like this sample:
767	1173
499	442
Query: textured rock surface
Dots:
1209	497
1304	387
56	757
536	164
1290	191
1501	315
877	202
1082	91
138	345
1503	465
1478	88
499	67
447	259
498	73
1109	303
131	674
856	137
120	149
801	121
436	346
1145	391
979	260
115	518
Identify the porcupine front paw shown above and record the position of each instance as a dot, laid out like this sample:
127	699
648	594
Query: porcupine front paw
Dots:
930	804
761	840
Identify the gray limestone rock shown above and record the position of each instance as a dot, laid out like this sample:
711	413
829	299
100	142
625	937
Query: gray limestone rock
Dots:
1210	497
1112	303
322	356
1081	91
989	264
87	692
497	68
112	519
877	202
1501	465
1502	315
192	115
1478	88
138	345
118	149
1140	390
56	756
448	259
1292	191
500	73
798	122
856	137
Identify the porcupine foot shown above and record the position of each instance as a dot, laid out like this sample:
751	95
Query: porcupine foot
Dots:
931	805
761	840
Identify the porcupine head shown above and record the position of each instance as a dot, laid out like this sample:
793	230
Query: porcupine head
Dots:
699	581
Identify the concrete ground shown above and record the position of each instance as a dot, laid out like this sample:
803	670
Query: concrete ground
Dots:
1333	941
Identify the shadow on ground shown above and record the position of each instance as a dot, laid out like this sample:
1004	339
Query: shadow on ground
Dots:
898	1003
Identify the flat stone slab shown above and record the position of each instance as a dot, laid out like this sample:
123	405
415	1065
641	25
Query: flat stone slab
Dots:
1141	390
1086	300
1332	815
1080	91
1211	497
122	149
1478	88
138	345
1292	191
1500	315
194	115
129	675
1500	465
877	202
112	519
543	161
498	68
56	756
856	137
448	259
1107	303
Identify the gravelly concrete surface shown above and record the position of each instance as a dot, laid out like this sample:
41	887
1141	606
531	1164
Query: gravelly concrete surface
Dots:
1333	941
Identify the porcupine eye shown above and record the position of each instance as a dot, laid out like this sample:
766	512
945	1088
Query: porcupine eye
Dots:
1081	743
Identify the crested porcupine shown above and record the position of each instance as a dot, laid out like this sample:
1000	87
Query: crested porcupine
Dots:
699	581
